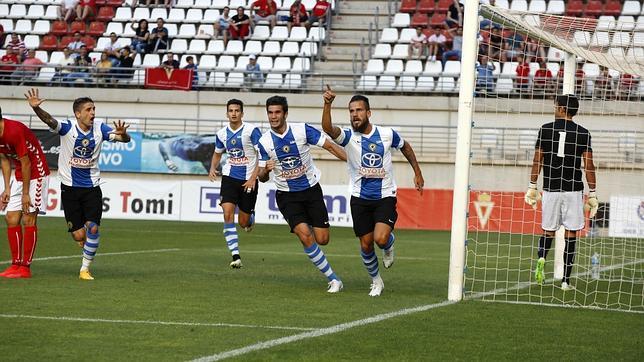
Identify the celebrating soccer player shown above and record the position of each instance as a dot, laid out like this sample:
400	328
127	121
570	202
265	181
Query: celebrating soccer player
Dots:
80	147
25	195
373	187
285	150
561	145
239	175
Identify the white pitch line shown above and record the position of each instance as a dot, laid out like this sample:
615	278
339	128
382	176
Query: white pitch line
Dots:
361	322
327	254
124	321
101	254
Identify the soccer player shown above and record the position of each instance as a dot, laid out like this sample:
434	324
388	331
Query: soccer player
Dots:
25	195
285	150
373	187
80	147
239	175
560	148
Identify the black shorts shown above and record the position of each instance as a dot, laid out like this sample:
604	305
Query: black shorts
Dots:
232	191
366	213
81	204
303	207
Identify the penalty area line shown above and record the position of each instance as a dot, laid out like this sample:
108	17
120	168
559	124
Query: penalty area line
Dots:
102	254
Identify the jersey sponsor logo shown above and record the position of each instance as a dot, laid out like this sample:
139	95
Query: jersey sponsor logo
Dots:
372	165
83	150
79	162
371	160
236	152
238	161
292	167
290	163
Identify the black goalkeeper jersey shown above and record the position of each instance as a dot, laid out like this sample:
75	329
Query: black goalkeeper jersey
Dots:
562	163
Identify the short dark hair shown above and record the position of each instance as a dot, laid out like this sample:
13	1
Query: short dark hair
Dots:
78	103
226	7
237	102
568	101
360	97
277	101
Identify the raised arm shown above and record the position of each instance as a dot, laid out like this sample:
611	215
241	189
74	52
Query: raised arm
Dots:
120	132
409	154
35	101
327	124
335	150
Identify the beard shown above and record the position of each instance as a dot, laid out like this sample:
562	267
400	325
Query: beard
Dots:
360	127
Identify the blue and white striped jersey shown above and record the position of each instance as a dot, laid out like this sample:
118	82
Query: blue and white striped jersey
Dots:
240	146
371	172
294	169
79	152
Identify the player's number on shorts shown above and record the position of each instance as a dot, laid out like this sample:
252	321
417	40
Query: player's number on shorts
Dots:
562	145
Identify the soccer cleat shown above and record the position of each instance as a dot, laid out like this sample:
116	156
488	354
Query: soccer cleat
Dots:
10	270
388	258
249	228
377	285
85	275
335	286
20	272
539	275
236	264
566	287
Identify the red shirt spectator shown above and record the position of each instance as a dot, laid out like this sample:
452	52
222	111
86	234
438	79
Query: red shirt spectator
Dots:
523	74
5	63
298	10
320	8
542	76
264	8
17	45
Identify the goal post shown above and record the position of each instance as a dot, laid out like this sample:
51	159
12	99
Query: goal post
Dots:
494	235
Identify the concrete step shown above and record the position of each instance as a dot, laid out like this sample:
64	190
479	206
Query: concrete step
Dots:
335	66
364	7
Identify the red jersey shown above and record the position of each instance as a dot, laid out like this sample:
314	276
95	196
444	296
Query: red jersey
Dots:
265	7
17	141
321	8
298	10
523	73
542	75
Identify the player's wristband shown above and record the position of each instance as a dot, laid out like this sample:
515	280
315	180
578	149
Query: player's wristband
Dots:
533	185
591	193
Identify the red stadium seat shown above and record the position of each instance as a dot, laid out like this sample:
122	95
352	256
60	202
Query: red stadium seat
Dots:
90	42
443	5
594	8
105	13
114	3
407	6
49	42
65	42
613	8
101	2
426	6
438	19
78	26
58	27
419	20
575	8
96	28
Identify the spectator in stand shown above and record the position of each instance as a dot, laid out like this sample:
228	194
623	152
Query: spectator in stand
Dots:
82	67
67	10
158	37
113	50
170	63
166	3
76	44
417	44
3	36
102	72
239	25
454	15
264	10
457	45
8	65
195	74
297	15
254	74
522	80
63	70
604	87
495	43
512	47
141	36
222	25
542	81
29	68
485	75
17	45
126	62
435	42
628	84
534	52
319	13
86	9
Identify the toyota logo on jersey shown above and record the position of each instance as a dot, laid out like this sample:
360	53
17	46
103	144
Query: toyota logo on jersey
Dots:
291	162
372	160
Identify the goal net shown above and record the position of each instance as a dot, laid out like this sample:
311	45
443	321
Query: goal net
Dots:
524	59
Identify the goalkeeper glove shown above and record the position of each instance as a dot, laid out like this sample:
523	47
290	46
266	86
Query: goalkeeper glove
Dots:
532	196
591	204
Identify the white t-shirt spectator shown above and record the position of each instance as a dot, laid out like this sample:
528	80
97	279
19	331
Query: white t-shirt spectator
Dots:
422	38
440	39
70	4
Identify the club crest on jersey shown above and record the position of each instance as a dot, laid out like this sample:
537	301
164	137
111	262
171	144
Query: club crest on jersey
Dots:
372	147
286	148
85	142
233	142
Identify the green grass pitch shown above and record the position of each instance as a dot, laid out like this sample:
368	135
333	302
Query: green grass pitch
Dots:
174	298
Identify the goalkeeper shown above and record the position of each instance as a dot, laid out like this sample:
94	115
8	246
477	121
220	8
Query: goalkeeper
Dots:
560	147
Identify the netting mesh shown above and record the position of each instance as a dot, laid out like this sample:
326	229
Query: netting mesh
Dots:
519	71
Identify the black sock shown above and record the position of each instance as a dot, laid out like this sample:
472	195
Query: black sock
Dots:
545	242
236	257
569	258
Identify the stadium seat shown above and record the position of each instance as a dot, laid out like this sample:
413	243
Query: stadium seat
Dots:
452	68
317	33
621	39
401	20
556	7
282	64
252	47
593	8
382	51
18	11
375	66
210	16
151	60
101	43
400	51
627	22
600	38
273	80
279	33
64	41
187	31
56	57
630	8
419	19
41	27
555	55
298	33
194	16
394	67
202	4
106	13
7	24
32	41
51	13
226	63
426	6
581	38
4	10
638	39
605	23
59	28
616	52
219	4
293	81
437	19
271	48
235	79
205	31
176	15
96	28
265	63
89	41
197	46
407	6
406	83
35	12
389	35
172	29
77	26
433	68
207	62
141	13
261	32
234	47
22	27
301	65
509	69
123	14
406	35
290	49
367	82
613	8
574	8
537	6
234	4
49	43
413	67
179	46
114	27
425	84
519	5
386	83
443	5
309	48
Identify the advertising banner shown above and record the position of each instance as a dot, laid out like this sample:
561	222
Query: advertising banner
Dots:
161	78
626	218
50	143
186	154
122	157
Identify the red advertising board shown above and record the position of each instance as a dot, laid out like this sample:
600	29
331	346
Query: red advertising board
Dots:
160	78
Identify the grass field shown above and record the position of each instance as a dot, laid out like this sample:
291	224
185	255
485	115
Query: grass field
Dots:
164	292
